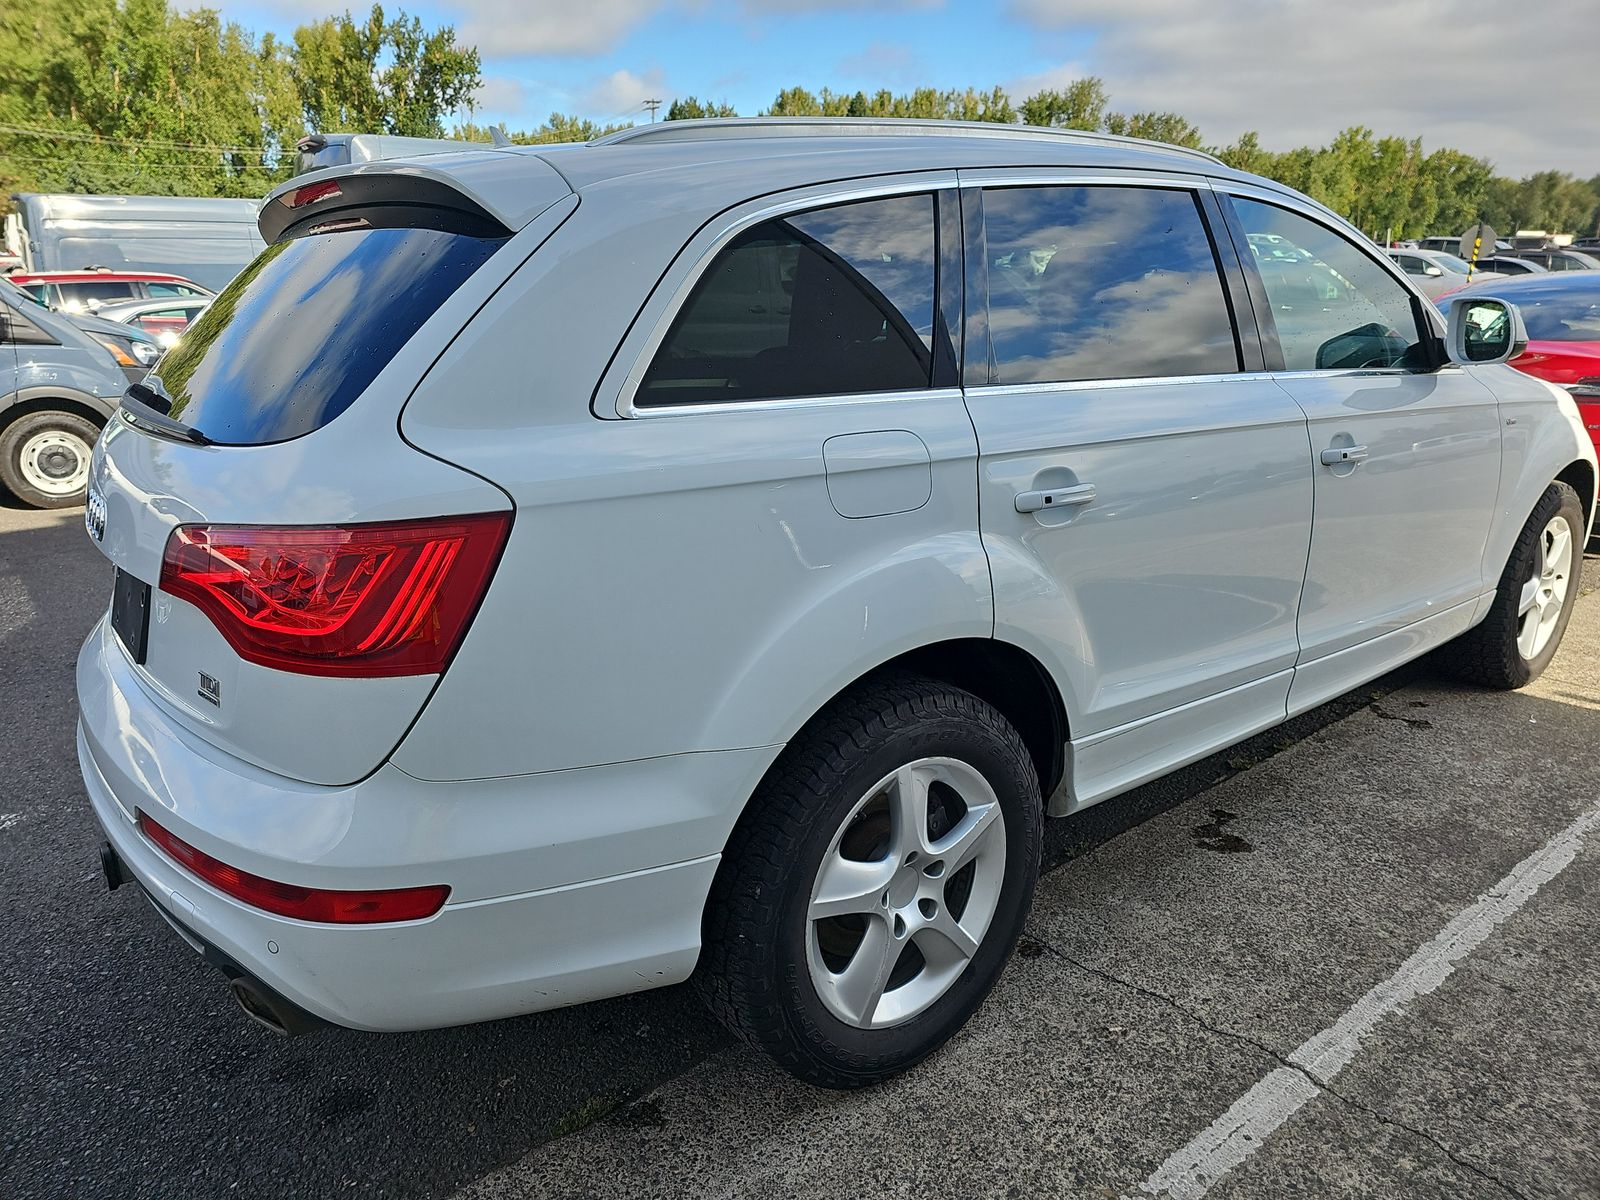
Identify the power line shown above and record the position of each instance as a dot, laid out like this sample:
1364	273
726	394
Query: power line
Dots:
60	135
652	105
136	165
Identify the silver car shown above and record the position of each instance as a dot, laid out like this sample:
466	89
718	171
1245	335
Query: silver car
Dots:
715	551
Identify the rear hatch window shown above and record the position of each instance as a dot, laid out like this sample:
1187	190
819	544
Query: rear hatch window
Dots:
302	330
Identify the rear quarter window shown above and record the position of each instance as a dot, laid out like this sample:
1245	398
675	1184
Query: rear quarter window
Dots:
302	331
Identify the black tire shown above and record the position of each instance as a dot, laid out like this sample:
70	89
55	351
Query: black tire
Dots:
76	436
753	968
1488	653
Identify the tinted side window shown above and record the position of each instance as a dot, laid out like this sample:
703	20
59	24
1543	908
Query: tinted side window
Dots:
1334	307
822	303
1102	283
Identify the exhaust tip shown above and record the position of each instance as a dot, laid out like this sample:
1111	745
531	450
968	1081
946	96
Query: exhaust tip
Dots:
111	867
256	1006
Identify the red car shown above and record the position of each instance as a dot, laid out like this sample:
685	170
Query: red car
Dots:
86	291
1562	312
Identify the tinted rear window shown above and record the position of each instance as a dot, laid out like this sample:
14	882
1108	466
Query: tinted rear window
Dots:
302	331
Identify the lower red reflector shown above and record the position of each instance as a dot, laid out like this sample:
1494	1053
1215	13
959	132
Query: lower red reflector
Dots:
289	900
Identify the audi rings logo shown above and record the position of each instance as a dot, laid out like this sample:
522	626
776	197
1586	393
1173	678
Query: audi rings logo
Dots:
94	515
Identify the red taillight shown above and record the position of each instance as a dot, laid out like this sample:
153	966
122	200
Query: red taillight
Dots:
354	600
288	900
311	193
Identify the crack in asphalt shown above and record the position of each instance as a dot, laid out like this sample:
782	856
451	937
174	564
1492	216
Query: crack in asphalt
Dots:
1262	1047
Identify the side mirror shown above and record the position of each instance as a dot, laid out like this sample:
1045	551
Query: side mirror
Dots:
1433	271
1484	330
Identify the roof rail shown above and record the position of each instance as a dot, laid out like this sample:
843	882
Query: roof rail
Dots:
715	128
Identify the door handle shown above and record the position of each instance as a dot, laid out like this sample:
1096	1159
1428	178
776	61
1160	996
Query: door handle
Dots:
1028	502
1335	456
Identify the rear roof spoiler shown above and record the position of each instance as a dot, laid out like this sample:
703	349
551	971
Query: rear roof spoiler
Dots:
504	189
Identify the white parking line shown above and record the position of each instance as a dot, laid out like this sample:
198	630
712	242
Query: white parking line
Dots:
1233	1137
7	820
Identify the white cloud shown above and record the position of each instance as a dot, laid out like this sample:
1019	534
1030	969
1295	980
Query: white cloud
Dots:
620	93
512	28
790	7
1298	71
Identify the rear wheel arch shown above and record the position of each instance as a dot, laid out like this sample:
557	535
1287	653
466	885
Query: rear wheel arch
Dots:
1580	477
1001	674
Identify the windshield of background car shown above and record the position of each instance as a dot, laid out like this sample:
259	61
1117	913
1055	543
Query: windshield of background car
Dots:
302	331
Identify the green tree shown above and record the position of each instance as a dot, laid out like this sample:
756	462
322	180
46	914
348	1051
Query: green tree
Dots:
133	97
1156	127
795	102
1460	184
1247	155
1080	105
690	108
381	74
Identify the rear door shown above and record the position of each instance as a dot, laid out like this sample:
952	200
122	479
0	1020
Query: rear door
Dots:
1405	449
1144	488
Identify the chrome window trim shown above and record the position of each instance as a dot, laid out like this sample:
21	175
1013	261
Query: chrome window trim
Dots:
1095	385
1013	177
650	412
729	224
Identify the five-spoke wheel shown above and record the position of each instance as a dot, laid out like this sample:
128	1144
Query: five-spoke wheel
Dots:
906	893
877	884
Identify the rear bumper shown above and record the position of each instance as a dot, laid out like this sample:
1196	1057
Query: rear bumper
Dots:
566	887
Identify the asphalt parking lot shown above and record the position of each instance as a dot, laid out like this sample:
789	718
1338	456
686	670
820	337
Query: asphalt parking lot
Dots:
1351	957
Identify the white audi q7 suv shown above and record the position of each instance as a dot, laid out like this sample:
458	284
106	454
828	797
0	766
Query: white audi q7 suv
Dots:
550	573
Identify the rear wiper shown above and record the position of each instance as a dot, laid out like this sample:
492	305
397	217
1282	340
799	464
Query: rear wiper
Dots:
148	409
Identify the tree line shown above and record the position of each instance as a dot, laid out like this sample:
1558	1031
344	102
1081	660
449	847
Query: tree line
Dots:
132	96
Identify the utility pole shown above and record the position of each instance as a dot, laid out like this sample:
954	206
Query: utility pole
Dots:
652	105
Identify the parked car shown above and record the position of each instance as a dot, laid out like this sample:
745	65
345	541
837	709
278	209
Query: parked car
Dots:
201	238
164	320
1507	264
58	385
1452	244
1562	314
89	290
1434	271
1560	260
318	150
134	349
703	579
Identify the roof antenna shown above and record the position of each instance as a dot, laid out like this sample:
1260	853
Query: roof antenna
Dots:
498	135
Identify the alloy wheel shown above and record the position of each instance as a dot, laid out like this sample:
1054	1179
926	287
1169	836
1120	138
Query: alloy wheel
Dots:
906	893
1545	594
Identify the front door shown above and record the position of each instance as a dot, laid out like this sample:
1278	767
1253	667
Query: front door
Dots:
1406	453
1145	504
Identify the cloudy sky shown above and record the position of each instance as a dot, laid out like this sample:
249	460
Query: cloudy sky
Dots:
1513	82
